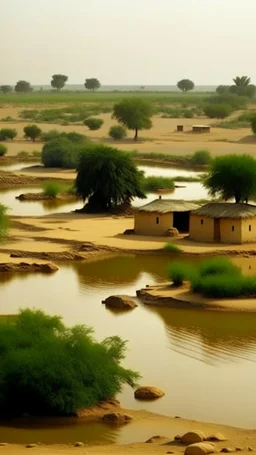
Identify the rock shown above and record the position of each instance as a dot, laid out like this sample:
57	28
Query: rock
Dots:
129	232
200	448
49	268
148	393
250	449
116	417
30	446
216	437
157	439
227	450
78	444
193	437
177	417
2	444
239	449
177	437
120	302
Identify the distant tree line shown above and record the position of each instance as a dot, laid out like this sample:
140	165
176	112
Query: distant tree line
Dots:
242	86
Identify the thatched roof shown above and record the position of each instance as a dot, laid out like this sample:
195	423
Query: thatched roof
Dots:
168	206
226	210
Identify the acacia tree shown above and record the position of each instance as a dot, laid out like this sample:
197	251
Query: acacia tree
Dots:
185	85
58	81
6	89
107	177
232	176
23	86
92	84
32	132
135	114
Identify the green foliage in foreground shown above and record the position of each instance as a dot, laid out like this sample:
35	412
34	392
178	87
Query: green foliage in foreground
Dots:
172	248
3	222
107	177
213	278
3	150
153	183
232	176
52	189
93	123
49	369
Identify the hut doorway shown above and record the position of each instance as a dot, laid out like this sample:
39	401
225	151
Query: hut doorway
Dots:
216	229
181	221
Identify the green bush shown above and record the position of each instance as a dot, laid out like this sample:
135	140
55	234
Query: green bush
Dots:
153	183
3	222
72	136
32	132
93	123
232	99
218	266
117	132
61	153
7	133
188	113
3	150
52	189
178	272
23	154
50	135
253	124
218	110
49	369
201	157
172	248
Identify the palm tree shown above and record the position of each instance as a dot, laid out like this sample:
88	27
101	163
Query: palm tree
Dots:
242	81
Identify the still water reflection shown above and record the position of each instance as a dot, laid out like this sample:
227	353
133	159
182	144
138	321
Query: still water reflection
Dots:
205	361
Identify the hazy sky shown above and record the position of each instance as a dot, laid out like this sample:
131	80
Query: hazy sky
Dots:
128	41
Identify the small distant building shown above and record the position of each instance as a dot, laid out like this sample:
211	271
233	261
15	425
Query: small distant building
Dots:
223	222
201	128
161	215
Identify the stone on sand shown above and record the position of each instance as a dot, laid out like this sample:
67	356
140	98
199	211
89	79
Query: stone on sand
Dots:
192	437
148	393
157	439
200	448
116	417
120	302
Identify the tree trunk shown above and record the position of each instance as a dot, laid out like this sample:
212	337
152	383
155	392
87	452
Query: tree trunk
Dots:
33	139
136	134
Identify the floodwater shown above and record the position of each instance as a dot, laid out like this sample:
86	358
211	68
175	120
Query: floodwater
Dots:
204	361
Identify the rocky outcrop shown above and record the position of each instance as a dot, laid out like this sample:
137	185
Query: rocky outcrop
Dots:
158	440
218	437
200	448
193	437
148	393
10	267
120	302
116	418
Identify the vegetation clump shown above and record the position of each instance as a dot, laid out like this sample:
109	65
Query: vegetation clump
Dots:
52	189
58	81
5	89
153	183
93	123
32	132
178	272
3	150
3	222
117	132
7	133
92	84
201	157
23	86
218	110
61	152
49	369
185	85
172	248
72	136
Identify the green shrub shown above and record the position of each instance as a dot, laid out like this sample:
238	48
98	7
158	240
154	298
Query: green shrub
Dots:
188	113
153	183
178	272
7	133
218	110
3	150
253	124
52	189
32	132
3	222
23	154
218	266
61	153
172	248
93	123
74	137
49	369
232	99
117	132
36	153
50	135
201	157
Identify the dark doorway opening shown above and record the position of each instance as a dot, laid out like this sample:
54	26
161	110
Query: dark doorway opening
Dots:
216	229
181	221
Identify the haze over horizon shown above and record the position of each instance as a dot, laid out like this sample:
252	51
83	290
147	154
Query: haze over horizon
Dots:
128	42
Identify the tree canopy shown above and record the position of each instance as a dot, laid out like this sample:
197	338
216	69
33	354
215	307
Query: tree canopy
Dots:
185	85
5	88
232	176
23	86
49	369
242	81
92	83
107	177
58	81
134	113
32	132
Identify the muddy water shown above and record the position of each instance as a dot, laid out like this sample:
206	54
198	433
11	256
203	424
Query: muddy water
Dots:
205	361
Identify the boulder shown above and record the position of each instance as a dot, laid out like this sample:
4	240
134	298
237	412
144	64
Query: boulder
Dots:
116	418
30	446
120	302
49	268
200	448
218	437
227	450
78	444
157	440
148	393
192	437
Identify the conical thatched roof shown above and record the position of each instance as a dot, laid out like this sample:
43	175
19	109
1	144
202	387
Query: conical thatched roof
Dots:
226	210
168	206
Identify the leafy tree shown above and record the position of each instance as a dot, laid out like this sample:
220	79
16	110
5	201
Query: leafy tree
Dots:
217	110
58	81
7	133
117	132
3	150
107	177
23	86
92	84
32	132
232	176
6	89
185	85
62	152
93	123
49	369
134	113
222	89
3	222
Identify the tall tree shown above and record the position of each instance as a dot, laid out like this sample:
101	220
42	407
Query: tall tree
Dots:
107	177
58	81
185	85
135	114
6	88
232	176
92	84
23	86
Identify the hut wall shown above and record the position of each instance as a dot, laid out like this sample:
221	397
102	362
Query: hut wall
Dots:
249	230
145	223
230	230
201	228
